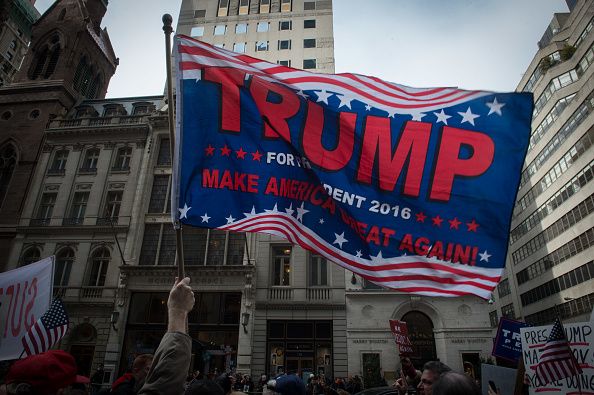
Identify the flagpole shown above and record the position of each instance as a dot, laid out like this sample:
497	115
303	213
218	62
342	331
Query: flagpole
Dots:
167	29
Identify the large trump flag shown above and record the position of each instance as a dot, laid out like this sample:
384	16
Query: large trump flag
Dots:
410	188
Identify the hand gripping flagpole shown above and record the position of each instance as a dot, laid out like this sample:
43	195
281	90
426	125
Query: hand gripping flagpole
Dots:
167	29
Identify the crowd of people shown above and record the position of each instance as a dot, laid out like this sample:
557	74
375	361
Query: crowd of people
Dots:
164	373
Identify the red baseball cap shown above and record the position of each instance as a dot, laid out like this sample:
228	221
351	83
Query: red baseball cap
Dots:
46	372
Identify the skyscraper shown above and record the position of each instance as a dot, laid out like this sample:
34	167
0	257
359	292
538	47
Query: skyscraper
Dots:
550	263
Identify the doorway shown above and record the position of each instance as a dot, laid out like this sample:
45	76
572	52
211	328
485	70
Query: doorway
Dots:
304	366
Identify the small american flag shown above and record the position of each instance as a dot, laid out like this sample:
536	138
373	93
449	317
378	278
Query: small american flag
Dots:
556	359
47	331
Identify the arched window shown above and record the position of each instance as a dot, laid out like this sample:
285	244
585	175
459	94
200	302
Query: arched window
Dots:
420	332
95	87
82	65
46	58
99	263
64	260
31	255
8	161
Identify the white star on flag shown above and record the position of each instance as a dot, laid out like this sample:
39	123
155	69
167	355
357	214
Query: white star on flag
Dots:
359	254
378	258
345	100
230	219
274	209
367	107
321	221
302	94
495	107
251	213
417	116
290	210
391	112
323	96
340	240
442	117
300	212
468	116
205	217
183	212
485	256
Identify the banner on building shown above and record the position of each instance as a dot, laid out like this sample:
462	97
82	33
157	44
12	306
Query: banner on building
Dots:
25	294
410	188
508	342
400	331
581	341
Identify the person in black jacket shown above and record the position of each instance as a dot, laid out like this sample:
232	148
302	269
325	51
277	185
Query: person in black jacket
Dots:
130	383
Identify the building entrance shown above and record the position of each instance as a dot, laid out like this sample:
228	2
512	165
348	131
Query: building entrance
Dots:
303	366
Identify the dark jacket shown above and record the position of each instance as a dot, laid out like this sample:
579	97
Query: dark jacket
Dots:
124	385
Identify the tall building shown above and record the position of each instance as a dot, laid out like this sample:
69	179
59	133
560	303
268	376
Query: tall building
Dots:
16	19
550	267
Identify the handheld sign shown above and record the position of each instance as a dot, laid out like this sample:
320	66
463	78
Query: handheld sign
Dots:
508	342
400	331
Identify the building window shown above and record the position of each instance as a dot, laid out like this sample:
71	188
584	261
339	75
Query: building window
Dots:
261	46
9	55
309	5
140	109
113	202
284	44
159	194
241	28
286	63
264	6
46	208
262	27
318	270
46	59
285	5
239	47
99	264
64	260
59	162
285	25
220	30
31	255
8	161
199	13
309	43
309	24
77	209
91	159
197	31
164	156
244	7
503	288
123	157
493	318
309	64
507	311
223	8
13	44
281	261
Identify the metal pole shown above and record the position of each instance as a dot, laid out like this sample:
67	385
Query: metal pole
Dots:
167	29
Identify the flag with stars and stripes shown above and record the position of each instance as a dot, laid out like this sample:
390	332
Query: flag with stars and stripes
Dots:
556	360
410	188
47	331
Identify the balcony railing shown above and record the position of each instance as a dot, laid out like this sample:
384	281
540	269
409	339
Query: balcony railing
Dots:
40	222
131	120
280	293
72	221
107	221
99	121
319	294
87	170
56	172
85	293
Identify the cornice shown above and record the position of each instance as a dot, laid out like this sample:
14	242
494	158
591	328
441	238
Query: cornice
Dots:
72	229
299	306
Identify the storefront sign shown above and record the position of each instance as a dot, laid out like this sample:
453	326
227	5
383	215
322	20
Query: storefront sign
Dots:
371	341
25	294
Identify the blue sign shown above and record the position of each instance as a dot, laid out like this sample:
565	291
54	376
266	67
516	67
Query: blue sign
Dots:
508	343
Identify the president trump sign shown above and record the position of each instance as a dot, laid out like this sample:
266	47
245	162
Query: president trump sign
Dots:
410	188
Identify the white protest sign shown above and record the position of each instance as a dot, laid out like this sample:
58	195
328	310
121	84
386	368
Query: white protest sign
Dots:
25	294
581	340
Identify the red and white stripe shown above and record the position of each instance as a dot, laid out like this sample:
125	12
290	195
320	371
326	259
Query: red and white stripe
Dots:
394	98
38	339
412	273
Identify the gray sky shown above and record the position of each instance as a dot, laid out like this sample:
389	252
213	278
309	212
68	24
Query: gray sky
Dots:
473	44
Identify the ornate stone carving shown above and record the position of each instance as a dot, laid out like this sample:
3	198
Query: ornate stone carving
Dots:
117	185
52	187
84	186
78	147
